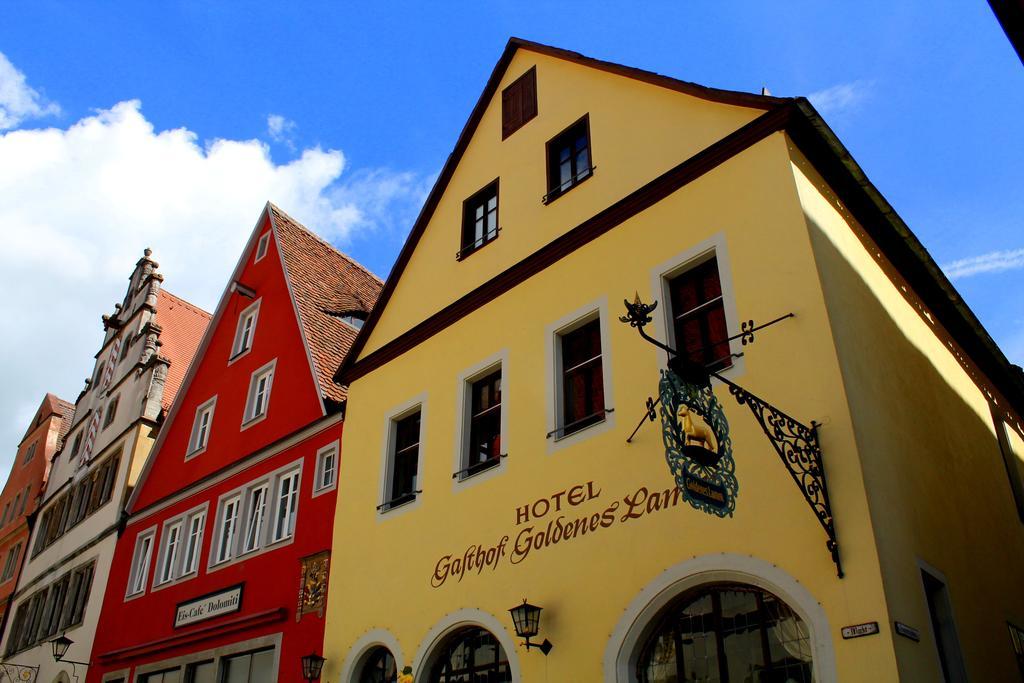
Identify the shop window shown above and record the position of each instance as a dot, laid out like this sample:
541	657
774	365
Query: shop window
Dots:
726	632
479	220
245	330
943	628
581	378
326	468
165	676
250	667
519	103
569	159
482	449
261	246
379	667
470	654
201	672
140	562
697	316
403	461
201	428
111	412
259	393
11	563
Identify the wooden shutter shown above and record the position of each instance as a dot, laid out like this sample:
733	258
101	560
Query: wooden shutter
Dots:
519	103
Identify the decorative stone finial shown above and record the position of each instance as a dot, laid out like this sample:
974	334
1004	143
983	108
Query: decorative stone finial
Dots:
148	252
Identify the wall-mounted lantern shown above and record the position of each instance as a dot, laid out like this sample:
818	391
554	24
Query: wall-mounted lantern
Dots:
526	618
312	664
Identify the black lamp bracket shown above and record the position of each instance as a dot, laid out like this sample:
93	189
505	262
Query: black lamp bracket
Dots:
796	444
544	647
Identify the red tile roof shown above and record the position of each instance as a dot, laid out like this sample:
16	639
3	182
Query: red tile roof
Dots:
54	405
182	327
326	284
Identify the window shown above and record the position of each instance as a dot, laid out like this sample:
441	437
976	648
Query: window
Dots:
14	506
193	542
698	322
126	345
24	499
171	544
379	667
1011	445
569	159
286	505
255	517
245	331
228	528
261	246
353	318
140	562
17	627
259	393
479	220
326	468
201	427
470	654
726	632
111	412
251	667
404	462
201	672
30	453
11	563
78	596
165	676
483	448
99	374
54	607
943	628
76	444
519	103
581	378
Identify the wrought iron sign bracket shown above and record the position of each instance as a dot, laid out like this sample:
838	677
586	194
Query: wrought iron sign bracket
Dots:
22	672
796	444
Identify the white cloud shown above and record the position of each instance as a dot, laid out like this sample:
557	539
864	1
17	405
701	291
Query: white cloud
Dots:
840	98
992	262
281	130
19	102
78	206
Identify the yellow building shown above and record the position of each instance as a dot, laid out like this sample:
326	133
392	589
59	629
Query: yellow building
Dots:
494	390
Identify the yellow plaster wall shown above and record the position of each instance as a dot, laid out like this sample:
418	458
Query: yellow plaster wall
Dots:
380	578
638	131
937	484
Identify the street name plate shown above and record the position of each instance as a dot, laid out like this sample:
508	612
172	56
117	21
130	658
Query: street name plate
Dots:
859	630
908	631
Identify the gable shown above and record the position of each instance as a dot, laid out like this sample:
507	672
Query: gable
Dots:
639	129
294	399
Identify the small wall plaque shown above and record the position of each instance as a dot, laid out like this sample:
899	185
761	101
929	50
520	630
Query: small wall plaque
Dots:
859	630
908	631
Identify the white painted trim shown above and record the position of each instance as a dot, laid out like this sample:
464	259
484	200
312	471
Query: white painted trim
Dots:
212	405
267	369
359	651
463	407
453	622
923	566
119	675
177	572
132	571
553	373
390	419
318	470
713	247
640	616
253	308
262	245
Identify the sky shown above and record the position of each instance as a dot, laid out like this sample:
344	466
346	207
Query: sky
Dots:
169	125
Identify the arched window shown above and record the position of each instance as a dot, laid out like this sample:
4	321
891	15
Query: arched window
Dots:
469	655
726	633
379	667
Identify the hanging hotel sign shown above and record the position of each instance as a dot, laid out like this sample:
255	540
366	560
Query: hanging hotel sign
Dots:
225	601
697	445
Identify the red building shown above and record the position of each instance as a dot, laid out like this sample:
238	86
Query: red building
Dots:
220	573
25	483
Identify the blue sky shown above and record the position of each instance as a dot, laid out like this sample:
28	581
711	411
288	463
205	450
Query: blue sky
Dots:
168	124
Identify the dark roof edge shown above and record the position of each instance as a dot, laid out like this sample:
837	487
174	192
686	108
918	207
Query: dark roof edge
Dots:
441	184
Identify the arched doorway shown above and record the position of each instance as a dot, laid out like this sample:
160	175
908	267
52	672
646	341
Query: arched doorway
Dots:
726	633
468	655
378	666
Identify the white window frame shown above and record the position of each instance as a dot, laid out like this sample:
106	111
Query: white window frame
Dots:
662	328
403	410
251	311
319	487
294	479
250	417
141	560
190	558
168	557
234	498
179	567
553	360
262	247
255	517
266	539
11	562
197	442
463	410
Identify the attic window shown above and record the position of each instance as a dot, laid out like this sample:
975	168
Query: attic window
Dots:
352	318
261	247
519	103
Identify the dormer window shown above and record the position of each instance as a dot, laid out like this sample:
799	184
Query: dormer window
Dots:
479	220
261	246
352	318
245	331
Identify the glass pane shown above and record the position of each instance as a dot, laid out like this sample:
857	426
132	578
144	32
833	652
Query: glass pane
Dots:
236	669
379	668
203	672
262	667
